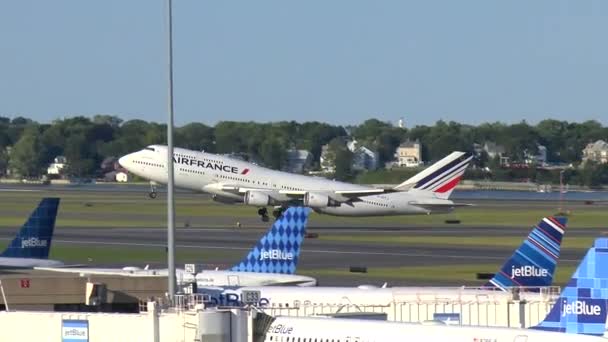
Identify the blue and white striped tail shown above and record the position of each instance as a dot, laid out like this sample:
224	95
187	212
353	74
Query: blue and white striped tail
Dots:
441	178
279	250
533	263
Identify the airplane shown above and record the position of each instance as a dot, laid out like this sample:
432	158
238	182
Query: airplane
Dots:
578	315
234	181
30	248
531	266
272	261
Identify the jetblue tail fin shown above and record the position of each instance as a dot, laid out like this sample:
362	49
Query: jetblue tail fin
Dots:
279	250
441	178
34	238
533	263
581	308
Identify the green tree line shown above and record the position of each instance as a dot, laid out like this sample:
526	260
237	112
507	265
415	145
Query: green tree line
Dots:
27	147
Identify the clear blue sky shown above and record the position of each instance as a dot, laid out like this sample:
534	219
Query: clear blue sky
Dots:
340	61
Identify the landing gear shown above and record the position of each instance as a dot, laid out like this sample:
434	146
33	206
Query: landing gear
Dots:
277	212
152	194
263	212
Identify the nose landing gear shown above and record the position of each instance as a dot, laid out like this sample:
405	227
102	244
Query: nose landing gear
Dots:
152	194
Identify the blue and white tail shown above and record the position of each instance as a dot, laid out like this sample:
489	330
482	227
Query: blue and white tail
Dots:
439	179
279	250
533	263
581	308
34	238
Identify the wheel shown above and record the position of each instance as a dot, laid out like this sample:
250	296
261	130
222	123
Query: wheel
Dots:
265	218
263	211
152	194
277	213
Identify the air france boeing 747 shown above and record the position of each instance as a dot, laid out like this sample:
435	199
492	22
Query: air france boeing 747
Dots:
233	181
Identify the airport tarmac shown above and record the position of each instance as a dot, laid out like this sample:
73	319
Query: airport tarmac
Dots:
318	253
126	220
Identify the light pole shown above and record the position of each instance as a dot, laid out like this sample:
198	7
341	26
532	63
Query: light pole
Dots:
561	191
170	178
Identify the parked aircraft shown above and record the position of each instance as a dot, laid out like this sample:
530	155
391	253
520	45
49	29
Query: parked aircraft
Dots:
272	261
532	265
31	246
234	181
578	315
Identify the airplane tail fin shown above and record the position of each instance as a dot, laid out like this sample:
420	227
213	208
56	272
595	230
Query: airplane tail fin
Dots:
581	308
441	178
34	238
279	250
533	263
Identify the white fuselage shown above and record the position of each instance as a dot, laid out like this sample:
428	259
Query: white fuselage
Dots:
215	174
356	330
299	297
9	262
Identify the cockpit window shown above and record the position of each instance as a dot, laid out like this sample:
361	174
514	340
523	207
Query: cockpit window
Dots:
150	149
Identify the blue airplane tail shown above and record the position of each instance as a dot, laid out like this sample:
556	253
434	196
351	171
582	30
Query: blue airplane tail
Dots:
533	263
34	238
581	308
279	250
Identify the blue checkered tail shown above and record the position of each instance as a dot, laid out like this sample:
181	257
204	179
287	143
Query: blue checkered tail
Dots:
533	263
34	238
279	250
581	308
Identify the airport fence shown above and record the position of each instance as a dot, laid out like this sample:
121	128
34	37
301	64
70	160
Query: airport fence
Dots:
517	308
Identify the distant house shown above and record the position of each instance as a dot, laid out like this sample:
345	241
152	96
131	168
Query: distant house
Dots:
539	158
363	157
109	164
327	160
409	154
493	150
298	161
496	151
57	166
122	177
596	152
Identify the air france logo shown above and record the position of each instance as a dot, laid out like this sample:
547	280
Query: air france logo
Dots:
204	164
33	242
528	271
579	307
275	254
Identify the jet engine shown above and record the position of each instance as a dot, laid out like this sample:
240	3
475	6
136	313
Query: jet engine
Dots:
314	200
223	199
258	199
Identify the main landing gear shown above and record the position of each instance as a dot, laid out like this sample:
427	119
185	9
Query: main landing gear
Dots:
152	194
263	212
277	212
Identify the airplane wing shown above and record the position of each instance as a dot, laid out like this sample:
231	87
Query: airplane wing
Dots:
285	195
106	271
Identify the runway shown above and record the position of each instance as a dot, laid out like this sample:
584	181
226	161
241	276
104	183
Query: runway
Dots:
126	222
318	254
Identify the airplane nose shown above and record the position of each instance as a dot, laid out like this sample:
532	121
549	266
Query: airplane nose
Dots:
125	161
